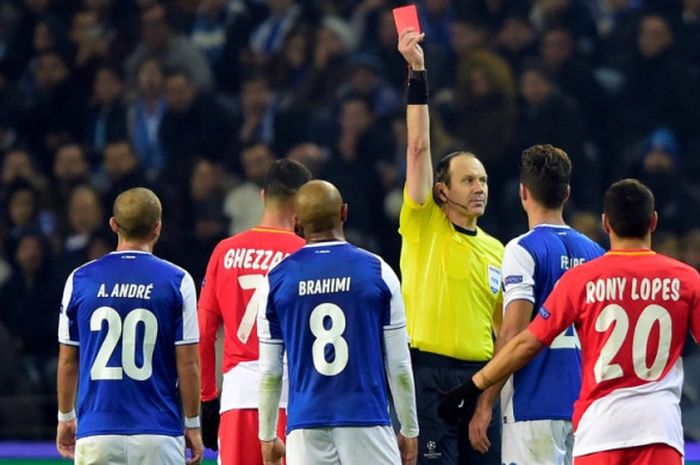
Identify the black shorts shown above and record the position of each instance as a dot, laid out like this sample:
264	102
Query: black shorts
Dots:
439	443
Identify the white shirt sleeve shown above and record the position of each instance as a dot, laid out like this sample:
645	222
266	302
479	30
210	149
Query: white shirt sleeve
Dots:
270	390
268	330
397	311
517	271
64	322
398	358
190	328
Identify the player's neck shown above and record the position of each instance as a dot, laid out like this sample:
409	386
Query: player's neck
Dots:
124	245
537	215
278	218
629	243
325	236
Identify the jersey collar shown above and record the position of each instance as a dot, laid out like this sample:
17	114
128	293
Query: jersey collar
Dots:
630	252
325	244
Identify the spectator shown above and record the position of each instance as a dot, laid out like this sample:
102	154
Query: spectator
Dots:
691	248
658	89
268	37
195	123
570	14
40	123
145	115
617	26
70	169
352	170
548	115
21	204
573	75
366	79
332	45
29	300
516	40
84	219
173	50
659	167
18	164
106	115
243	204
384	48
121	169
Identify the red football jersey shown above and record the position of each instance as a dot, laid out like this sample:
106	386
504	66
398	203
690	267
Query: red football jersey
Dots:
632	310
236	269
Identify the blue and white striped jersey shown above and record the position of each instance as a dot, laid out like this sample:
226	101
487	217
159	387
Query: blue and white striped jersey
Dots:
546	388
329	305
126	312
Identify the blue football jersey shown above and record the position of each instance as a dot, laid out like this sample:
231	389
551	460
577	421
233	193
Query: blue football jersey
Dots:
546	388
329	304
126	312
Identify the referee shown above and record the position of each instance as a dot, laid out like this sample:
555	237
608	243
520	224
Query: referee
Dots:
451	277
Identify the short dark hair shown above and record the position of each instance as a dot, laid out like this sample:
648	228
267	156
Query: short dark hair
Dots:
443	173
629	205
284	178
545	171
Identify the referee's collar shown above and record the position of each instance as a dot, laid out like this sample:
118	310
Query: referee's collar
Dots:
465	231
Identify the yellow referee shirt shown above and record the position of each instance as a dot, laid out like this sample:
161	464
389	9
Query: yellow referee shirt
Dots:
451	283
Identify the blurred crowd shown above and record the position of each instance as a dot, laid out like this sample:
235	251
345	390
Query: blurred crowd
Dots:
195	99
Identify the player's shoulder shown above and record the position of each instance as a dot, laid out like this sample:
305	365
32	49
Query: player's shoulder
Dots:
489	242
520	242
677	266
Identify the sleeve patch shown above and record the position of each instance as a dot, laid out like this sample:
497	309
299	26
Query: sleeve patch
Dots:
513	279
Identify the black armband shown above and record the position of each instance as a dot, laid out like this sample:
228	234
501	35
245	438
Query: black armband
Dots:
417	88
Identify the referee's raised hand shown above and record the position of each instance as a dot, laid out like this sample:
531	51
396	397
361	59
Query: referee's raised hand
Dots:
409	47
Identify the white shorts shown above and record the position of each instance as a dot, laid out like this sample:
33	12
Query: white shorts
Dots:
372	445
538	442
140	449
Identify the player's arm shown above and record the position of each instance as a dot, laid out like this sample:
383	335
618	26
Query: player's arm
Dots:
419	168
271	370
209	319
66	385
187	361
558	312
67	372
517	316
397	362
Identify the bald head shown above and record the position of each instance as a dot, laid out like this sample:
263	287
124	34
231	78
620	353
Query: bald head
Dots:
318	207
137	211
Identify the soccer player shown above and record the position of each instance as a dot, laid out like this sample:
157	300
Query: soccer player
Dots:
128	339
237	268
632	309
451	271
538	400
338	312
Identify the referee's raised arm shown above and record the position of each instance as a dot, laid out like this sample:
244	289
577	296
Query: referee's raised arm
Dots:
419	168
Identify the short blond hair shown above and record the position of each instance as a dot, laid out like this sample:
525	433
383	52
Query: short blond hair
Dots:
136	212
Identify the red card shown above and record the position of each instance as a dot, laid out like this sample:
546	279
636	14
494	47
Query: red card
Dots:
406	17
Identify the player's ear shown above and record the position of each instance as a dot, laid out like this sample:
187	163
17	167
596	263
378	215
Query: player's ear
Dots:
606	223
568	192
157	228
262	195
654	221
522	191
113	225
344	213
